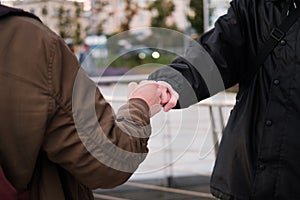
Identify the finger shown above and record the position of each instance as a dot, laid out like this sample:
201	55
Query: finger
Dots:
131	87
144	82
175	94
165	96
171	103
169	87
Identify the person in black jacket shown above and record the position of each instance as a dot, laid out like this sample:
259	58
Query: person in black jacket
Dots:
259	153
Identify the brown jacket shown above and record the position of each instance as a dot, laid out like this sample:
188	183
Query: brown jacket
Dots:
59	138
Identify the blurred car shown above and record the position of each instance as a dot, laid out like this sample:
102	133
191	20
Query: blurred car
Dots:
98	45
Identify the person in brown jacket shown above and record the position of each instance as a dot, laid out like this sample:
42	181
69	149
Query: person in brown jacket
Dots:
59	138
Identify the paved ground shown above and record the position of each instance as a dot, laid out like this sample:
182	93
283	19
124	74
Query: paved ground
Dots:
183	188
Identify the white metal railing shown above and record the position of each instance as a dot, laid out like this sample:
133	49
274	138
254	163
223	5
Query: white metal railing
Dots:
216	119
119	79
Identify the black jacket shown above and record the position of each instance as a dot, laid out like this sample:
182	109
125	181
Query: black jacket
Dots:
259	155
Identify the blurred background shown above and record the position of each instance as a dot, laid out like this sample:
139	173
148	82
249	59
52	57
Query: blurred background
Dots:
114	44
87	25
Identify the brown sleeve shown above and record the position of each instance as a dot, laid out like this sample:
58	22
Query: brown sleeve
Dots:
84	136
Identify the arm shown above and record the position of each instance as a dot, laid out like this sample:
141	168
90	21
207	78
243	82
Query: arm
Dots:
211	63
84	136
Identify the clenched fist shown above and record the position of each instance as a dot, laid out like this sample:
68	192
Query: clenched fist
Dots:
149	91
155	94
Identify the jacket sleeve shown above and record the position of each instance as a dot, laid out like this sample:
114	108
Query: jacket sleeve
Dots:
211	63
84	136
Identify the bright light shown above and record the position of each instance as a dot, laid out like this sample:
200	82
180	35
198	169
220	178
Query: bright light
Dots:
155	55
142	55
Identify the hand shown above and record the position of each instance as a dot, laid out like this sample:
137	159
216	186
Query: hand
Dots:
149	91
169	96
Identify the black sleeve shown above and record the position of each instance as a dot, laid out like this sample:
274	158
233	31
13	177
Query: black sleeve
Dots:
211	63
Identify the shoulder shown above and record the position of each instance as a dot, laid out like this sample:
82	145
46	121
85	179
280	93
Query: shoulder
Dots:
32	35
248	6
246	3
28	31
33	43
255	5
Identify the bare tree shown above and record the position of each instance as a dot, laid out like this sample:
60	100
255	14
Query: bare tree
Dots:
64	22
77	16
99	17
131	8
162	10
196	16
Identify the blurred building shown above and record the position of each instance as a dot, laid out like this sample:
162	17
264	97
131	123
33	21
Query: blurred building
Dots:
112	14
48	11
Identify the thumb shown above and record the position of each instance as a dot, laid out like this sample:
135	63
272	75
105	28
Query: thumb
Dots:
131	87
